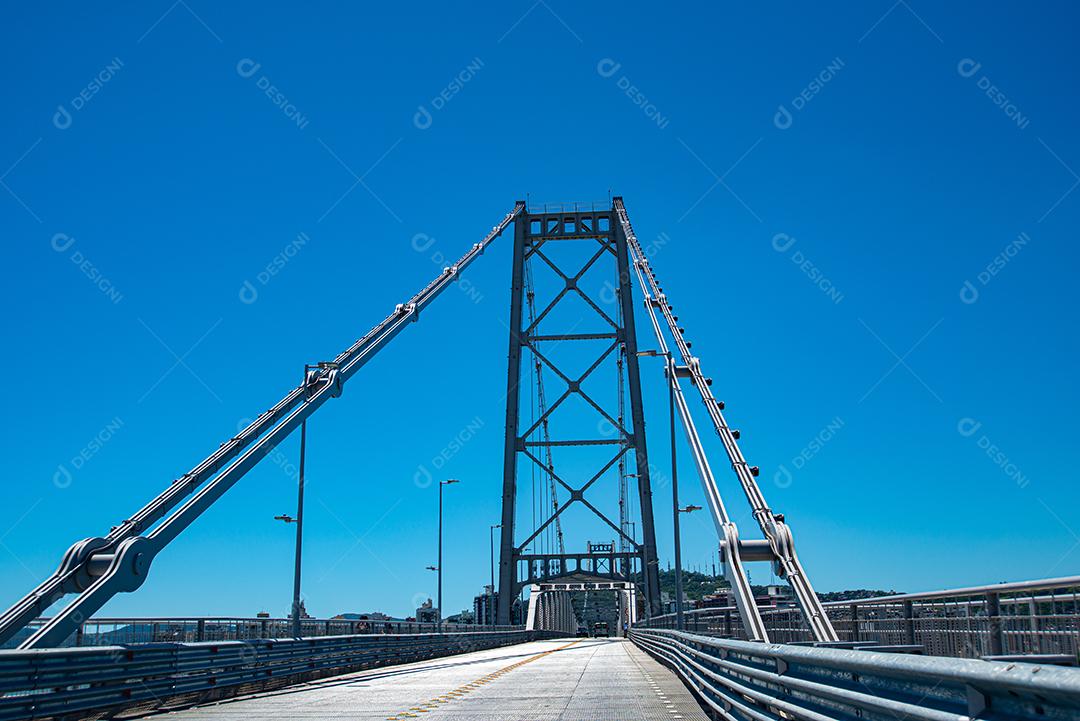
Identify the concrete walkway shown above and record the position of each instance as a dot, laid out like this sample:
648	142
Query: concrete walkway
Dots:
572	680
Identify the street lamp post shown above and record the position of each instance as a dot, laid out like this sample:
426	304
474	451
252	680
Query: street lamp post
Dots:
670	372
491	588
299	521
439	613
679	619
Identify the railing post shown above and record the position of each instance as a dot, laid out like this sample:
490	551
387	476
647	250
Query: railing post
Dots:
79	634
264	629
1033	622
727	623
997	632
854	622
200	630
909	623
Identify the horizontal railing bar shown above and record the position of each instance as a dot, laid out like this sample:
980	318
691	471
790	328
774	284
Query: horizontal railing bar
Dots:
1038	585
805	682
44	683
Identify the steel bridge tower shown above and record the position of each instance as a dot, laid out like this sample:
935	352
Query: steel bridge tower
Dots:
597	229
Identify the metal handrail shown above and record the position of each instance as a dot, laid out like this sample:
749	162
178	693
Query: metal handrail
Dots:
571	206
743	680
91	682
1035	585
957	593
1038	618
110	631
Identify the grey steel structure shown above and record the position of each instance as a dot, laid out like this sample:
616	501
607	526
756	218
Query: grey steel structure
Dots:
599	230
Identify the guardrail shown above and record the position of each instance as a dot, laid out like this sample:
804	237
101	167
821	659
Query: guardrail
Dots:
743	680
573	206
79	682
1008	619
114	631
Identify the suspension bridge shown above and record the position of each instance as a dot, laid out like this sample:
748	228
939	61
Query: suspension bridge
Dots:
1005	651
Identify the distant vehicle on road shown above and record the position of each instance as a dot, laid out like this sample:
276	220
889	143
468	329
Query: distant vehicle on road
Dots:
600	628
583	631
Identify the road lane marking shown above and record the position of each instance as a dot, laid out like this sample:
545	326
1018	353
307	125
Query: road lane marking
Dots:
464	689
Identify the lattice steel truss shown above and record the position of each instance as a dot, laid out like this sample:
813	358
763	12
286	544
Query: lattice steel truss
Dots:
532	233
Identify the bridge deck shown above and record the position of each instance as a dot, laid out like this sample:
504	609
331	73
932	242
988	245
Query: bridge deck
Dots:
572	680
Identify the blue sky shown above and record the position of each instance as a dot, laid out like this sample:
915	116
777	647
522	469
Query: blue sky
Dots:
861	211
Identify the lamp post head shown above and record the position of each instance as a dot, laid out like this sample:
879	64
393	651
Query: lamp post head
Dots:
432	568
448	481
285	517
689	509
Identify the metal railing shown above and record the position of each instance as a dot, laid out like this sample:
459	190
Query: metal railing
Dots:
1038	618
743	680
114	631
572	206
91	682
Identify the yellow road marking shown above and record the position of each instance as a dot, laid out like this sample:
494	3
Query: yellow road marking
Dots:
461	691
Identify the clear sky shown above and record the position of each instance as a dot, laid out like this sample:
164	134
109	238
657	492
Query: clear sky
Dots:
863	211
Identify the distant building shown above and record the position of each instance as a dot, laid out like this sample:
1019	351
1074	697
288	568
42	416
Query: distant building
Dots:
776	595
466	616
667	602
373	616
778	591
720	599
486	604
427	613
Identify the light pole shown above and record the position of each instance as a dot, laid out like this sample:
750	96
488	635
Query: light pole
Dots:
679	621
299	521
675	510
670	372
491	588
438	614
